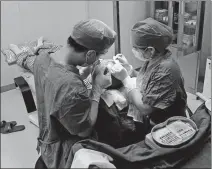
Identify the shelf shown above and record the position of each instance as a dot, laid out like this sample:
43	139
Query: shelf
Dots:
189	52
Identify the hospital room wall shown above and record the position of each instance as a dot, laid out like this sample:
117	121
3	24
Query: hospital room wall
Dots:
27	20
24	21
131	12
102	10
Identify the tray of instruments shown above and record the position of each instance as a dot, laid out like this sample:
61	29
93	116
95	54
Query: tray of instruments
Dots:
174	132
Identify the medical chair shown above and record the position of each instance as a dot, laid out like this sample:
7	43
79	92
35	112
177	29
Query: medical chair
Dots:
27	88
23	84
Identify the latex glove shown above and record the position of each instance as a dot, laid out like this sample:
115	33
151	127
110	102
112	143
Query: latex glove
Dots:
120	58
100	82
85	71
119	72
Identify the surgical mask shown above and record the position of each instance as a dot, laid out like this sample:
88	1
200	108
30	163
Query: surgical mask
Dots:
139	55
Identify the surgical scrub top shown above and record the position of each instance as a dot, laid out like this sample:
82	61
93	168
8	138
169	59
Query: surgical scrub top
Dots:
63	106
162	87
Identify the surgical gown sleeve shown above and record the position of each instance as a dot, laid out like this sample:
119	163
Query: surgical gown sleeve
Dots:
160	91
75	110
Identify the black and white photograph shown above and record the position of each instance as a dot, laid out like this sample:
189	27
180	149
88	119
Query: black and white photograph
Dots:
106	84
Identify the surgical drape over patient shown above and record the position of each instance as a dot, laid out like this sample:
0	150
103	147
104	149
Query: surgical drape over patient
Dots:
94	35
150	32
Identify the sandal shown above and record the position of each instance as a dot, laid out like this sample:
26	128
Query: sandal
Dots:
3	123
10	128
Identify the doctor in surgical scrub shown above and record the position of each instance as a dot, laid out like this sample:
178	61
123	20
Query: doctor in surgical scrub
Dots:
159	93
67	112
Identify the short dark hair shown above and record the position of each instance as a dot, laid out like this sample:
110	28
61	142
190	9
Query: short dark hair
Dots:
77	47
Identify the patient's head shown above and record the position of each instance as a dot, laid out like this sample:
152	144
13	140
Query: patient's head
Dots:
107	65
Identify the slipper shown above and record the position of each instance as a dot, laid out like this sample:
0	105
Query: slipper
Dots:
3	123
10	128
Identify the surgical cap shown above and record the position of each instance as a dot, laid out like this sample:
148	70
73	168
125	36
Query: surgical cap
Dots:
150	32
94	35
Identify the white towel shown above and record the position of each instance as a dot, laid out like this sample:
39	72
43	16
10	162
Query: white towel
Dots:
83	158
115	96
135	113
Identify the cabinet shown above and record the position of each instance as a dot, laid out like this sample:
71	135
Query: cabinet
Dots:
207	81
186	18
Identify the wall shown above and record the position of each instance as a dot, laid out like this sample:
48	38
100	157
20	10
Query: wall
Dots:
206	41
32	19
102	10
52	19
130	12
27	20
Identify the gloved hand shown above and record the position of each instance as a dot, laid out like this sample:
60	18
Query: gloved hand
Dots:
123	61
100	81
121	58
119	72
85	71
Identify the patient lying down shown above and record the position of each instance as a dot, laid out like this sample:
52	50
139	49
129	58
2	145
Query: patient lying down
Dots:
113	119
116	93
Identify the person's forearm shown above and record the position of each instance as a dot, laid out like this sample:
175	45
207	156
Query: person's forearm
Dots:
93	117
135	98
95	98
94	112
